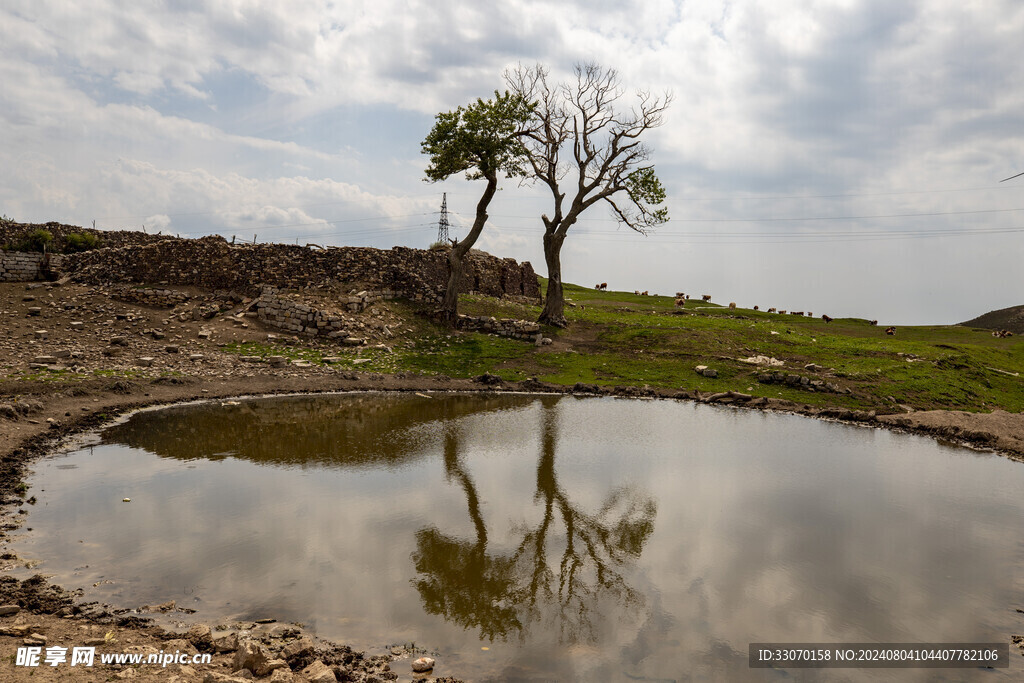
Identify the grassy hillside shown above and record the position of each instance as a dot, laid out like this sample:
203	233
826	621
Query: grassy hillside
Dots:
1011	319
618	338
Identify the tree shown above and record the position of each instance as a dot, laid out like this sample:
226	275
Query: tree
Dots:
503	592
482	140
609	161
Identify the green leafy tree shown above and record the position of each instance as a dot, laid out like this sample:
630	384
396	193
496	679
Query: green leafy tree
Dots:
579	138
482	140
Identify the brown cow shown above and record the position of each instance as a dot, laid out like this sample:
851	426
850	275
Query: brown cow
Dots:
782	312
809	314
706	297
796	312
826	318
773	310
732	304
872	322
891	331
756	308
681	303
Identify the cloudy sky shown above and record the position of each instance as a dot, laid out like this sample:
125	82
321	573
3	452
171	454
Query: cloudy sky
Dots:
838	156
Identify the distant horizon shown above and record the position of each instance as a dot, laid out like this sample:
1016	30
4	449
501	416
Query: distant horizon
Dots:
834	156
242	242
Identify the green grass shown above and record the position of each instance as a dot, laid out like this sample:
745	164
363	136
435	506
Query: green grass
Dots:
620	338
465	355
623	338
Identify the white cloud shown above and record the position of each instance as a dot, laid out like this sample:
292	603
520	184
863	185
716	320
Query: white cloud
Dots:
202	114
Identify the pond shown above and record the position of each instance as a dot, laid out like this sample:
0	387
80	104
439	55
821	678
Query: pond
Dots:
535	538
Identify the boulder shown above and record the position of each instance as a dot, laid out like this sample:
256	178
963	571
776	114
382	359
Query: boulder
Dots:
252	656
200	636
318	672
423	665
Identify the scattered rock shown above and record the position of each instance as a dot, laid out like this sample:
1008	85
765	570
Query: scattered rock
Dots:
423	665
218	677
318	672
225	643
201	636
297	648
252	656
9	610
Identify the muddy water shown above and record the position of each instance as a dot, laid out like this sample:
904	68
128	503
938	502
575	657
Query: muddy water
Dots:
574	539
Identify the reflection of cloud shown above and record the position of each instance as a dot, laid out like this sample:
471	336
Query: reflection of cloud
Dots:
770	528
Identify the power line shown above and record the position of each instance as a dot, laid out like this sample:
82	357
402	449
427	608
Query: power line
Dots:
930	214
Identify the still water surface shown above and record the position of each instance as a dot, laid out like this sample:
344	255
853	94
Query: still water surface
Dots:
575	539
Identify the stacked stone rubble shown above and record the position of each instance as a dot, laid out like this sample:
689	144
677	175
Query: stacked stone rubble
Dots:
299	318
503	327
11	233
147	296
213	263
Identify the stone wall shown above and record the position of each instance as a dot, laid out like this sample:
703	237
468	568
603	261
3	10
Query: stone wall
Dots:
19	266
503	327
299	318
214	264
11	233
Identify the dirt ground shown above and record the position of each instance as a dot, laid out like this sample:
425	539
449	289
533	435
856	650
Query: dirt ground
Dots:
36	413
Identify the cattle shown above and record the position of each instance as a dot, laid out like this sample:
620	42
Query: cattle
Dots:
732	304
826	318
636	292
809	314
796	312
773	310
680	303
680	295
603	286
872	322
891	331
706	297
756	308
1002	334
782	312
643	293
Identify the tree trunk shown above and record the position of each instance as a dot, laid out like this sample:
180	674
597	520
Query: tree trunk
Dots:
450	304
554	302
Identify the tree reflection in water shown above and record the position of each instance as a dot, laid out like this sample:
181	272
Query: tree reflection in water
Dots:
501	594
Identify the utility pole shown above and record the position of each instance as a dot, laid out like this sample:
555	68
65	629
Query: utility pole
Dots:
442	225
